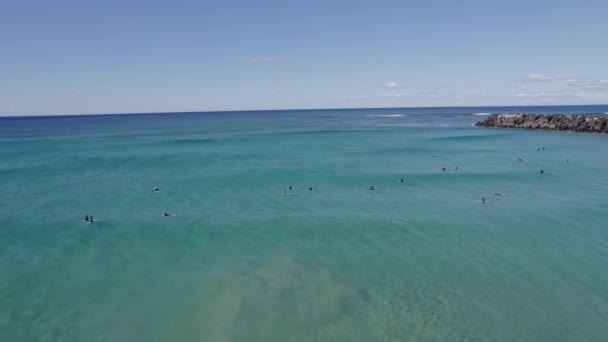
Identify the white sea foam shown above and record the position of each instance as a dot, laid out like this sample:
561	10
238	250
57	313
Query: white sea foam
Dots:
482	114
385	115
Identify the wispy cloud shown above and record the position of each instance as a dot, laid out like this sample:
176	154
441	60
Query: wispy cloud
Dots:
392	85
545	95
583	82
395	95
417	95
560	96
587	83
256	60
534	77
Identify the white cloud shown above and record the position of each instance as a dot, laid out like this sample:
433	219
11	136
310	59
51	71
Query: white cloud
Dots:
395	95
392	85
562	96
587	83
541	78
535	94
419	95
570	81
261	60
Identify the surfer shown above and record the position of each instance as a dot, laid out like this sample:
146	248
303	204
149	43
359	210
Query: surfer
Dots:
542	171
443	169
483	200
91	220
371	188
156	188
456	168
284	192
310	188
290	188
499	194
166	214
402	181
519	159
86	218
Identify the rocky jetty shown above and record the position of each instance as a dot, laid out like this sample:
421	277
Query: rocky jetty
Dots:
574	123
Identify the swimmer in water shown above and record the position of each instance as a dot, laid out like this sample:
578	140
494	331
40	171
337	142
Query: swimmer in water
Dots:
443	169
156	188
483	200
290	187
499	194
371	188
542	171
310	188
402	181
519	159
284	192
86	218
91	219
456	168
166	214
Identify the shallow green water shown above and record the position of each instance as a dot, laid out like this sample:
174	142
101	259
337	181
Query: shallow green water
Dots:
239	261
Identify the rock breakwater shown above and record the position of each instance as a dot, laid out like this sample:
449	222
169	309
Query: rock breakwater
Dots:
574	123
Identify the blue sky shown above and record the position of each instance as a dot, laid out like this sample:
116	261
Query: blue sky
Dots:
77	57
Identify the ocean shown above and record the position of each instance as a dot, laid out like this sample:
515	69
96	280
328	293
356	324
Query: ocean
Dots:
243	258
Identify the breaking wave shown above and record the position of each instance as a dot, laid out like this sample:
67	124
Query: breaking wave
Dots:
385	115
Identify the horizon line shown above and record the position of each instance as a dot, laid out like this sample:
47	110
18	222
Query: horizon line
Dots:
293	109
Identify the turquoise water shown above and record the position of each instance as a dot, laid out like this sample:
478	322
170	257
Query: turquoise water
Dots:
239	261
